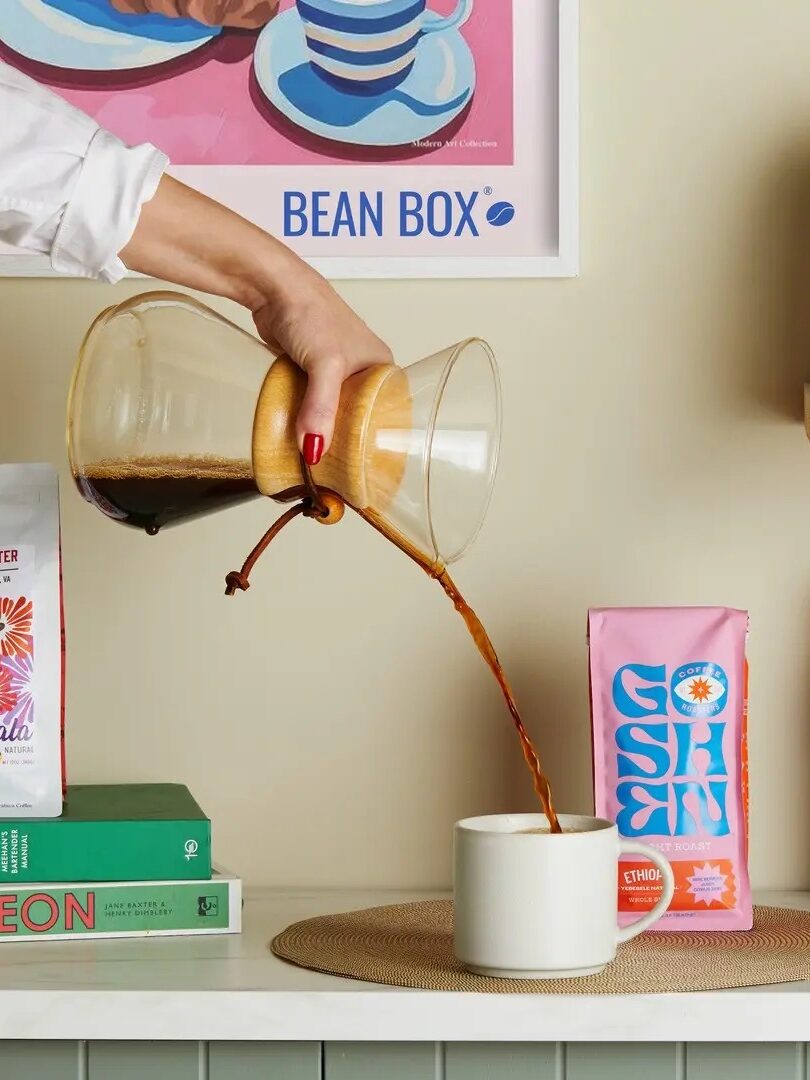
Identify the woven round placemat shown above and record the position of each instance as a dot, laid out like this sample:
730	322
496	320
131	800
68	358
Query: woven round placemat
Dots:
412	945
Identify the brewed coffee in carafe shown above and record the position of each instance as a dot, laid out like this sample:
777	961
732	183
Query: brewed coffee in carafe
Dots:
175	412
159	423
152	492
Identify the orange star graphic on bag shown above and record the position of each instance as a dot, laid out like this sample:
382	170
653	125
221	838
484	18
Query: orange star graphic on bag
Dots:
15	626
700	690
8	699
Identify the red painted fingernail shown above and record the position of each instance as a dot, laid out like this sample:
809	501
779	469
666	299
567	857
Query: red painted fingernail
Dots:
313	448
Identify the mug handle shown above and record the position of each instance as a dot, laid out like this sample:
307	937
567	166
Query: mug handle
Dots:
458	18
629	847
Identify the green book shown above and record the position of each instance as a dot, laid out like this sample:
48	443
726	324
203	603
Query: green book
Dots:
121	909
111	832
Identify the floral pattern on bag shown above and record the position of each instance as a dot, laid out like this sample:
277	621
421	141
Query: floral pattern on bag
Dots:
15	626
20	672
8	699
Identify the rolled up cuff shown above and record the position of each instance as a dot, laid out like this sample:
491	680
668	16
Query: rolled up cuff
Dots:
98	222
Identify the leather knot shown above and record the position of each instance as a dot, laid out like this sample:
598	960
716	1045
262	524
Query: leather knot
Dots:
324	507
236	580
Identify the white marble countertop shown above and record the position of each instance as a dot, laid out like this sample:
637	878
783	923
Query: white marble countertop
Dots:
232	987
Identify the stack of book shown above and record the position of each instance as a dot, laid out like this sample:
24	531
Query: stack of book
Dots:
124	860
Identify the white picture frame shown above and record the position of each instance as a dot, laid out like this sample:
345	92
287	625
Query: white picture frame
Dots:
561	262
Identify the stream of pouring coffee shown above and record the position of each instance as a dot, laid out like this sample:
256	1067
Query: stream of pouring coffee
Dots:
487	651
151	492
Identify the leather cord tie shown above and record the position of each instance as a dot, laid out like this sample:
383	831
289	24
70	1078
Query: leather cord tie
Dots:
313	505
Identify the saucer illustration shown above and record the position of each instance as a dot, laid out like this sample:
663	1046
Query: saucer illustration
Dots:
438	87
90	35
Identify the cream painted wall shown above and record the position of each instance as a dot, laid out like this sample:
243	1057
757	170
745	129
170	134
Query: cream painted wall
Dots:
335	721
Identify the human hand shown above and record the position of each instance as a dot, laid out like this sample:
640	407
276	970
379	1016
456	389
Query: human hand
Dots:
305	318
187	238
247	14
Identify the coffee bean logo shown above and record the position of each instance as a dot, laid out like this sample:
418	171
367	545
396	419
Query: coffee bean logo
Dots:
500	213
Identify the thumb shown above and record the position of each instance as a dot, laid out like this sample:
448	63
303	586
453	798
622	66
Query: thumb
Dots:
316	417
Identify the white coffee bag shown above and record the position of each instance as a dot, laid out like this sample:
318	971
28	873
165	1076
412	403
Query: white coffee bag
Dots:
31	645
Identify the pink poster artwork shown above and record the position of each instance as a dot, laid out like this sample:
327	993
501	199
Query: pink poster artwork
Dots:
326	82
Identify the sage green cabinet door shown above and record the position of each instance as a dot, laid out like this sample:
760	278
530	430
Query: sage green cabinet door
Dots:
618	1061
264	1061
501	1061
744	1061
143	1061
381	1061
39	1060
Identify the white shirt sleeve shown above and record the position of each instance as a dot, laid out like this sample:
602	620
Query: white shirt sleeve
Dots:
68	188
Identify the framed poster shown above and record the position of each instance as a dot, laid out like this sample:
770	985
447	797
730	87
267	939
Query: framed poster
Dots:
378	138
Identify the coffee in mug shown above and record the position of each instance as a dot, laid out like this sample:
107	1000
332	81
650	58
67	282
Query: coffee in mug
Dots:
542	830
532	904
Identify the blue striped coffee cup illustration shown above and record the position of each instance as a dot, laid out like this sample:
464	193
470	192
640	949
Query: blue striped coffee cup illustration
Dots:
369	46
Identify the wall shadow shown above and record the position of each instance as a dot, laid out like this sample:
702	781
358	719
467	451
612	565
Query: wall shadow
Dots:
779	363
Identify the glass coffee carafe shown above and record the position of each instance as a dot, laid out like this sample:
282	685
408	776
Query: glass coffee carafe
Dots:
175	412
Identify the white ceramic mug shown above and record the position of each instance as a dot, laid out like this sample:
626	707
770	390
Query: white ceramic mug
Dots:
542	905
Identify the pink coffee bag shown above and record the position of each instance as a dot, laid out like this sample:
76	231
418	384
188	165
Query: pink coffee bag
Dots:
669	707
